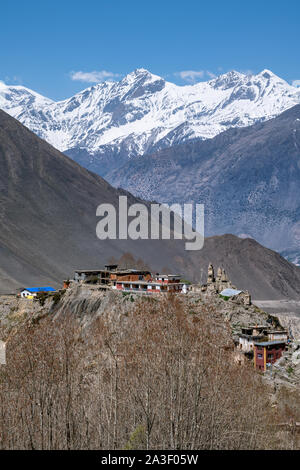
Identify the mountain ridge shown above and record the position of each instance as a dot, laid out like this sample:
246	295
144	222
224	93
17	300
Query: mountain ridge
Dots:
247	178
48	214
48	227
108	123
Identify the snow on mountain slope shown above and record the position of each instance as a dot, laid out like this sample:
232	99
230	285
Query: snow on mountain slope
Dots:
248	180
104	125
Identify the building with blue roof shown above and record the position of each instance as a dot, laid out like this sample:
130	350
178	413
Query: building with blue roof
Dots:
31	292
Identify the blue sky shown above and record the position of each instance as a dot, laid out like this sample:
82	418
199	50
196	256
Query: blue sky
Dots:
54	46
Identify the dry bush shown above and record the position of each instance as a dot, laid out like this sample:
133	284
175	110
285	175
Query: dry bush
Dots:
159	378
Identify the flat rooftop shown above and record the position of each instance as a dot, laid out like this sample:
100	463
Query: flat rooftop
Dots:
118	271
150	283
277	331
269	343
244	335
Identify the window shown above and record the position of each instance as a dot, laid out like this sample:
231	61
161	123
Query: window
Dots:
259	356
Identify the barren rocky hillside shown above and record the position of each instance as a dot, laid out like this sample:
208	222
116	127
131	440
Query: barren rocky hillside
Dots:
48	227
88	304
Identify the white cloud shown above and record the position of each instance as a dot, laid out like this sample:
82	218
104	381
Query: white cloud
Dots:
191	76
247	72
93	77
14	80
210	74
296	83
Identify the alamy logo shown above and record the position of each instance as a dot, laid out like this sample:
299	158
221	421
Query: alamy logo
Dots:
152	221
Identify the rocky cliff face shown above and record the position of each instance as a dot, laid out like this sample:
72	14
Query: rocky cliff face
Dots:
88	304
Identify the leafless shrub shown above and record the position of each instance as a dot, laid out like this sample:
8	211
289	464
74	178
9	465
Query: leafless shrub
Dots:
162	377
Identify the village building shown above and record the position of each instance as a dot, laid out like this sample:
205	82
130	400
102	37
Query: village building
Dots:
255	330
230	292
262	343
167	278
130	275
130	280
246	343
31	292
267	353
249	336
238	296
109	275
157	284
278	335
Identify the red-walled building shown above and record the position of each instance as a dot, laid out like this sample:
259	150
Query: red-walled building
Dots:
130	280
266	353
158	283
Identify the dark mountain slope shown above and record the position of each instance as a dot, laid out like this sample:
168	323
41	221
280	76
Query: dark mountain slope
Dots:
47	215
251	266
248	179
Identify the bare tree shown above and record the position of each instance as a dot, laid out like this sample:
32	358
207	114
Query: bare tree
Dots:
160	376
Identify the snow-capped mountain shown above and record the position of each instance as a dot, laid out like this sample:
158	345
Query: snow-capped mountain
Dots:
104	125
248	180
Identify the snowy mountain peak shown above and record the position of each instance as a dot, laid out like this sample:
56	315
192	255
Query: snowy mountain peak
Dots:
227	80
277	82
110	122
12	96
140	76
139	83
267	74
141	72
